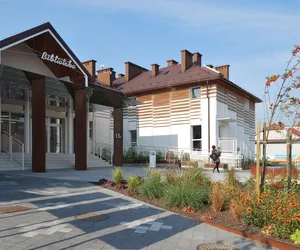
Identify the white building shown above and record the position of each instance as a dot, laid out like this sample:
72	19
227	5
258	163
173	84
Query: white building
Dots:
187	106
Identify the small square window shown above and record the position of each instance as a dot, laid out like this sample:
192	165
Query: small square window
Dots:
195	93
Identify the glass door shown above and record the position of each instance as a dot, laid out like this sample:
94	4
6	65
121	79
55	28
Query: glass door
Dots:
55	135
55	139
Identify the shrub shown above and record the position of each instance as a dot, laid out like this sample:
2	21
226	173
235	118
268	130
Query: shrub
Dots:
231	178
192	174
273	173
173	177
118	175
277	207
295	237
219	194
152	187
133	182
250	184
187	194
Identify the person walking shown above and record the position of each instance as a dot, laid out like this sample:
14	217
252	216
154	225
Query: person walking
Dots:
215	156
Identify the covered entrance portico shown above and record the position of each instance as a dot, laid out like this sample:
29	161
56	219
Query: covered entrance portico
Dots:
45	98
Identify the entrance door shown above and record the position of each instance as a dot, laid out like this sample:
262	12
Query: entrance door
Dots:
55	139
55	135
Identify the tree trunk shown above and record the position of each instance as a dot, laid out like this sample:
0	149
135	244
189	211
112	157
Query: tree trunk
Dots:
257	157
264	156
289	158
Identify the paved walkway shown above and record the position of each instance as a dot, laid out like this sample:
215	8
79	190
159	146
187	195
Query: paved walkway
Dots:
69	214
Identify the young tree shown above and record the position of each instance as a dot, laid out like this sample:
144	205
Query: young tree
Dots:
281	97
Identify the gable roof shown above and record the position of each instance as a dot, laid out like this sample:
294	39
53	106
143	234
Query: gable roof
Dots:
172	76
41	29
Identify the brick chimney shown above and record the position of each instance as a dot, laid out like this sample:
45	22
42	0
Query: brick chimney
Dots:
197	58
172	62
132	70
186	60
106	76
90	67
155	69
120	75
224	70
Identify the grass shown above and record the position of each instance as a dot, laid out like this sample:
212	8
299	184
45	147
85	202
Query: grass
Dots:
185	194
133	182
153	187
118	175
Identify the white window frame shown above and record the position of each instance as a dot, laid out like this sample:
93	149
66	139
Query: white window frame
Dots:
191	94
192	128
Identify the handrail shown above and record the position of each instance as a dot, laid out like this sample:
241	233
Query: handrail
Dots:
12	139
104	144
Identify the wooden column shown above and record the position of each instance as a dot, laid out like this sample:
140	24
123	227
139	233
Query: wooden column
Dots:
38	125
258	158
80	129
118	137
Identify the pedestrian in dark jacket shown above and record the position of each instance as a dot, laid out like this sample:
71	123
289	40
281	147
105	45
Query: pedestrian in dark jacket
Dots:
215	156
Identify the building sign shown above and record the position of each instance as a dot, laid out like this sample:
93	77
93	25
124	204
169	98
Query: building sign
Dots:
60	61
118	136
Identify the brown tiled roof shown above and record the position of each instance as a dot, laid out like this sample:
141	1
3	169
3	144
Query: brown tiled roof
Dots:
172	77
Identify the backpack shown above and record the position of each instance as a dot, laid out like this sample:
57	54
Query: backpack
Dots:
213	156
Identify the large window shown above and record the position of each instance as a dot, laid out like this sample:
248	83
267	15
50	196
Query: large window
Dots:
197	137
133	138
91	130
195	93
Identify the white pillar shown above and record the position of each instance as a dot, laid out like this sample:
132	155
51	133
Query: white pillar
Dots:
27	122
70	125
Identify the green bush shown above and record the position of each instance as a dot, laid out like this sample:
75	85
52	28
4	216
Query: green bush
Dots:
295	237
153	187
192	174
133	182
118	175
187	193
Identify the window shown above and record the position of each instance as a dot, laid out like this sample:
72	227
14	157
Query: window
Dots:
195	93
91	129
133	138
197	137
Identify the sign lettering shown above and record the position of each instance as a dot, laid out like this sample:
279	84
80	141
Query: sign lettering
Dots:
60	61
118	136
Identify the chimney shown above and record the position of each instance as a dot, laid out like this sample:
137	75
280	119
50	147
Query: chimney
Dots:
155	69
90	67
186	60
172	62
120	75
224	70
106	76
132	70
197	59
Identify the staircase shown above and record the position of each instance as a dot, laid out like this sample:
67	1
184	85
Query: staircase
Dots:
7	165
53	161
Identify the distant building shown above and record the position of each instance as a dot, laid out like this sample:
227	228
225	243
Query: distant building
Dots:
277	143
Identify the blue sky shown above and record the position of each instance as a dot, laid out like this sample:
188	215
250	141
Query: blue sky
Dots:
255	38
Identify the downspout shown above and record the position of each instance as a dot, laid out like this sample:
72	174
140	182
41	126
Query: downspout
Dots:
208	122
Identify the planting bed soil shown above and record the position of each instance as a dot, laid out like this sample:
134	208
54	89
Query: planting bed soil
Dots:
223	219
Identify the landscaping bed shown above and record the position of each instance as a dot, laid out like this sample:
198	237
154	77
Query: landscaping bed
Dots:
231	206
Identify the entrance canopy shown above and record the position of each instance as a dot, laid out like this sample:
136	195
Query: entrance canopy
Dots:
41	52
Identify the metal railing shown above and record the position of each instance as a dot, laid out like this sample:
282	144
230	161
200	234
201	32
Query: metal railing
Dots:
233	159
103	150
12	147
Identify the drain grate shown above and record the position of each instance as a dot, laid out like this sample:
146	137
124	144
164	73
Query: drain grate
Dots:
13	209
92	217
216	247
